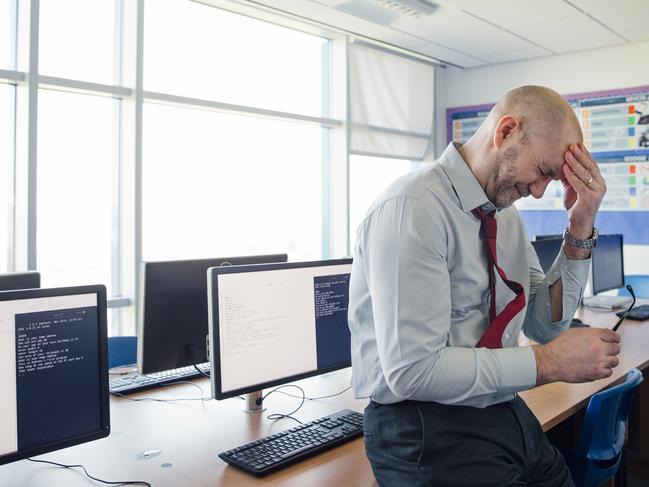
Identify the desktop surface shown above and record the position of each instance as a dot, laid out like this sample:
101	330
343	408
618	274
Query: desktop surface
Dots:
182	439
177	443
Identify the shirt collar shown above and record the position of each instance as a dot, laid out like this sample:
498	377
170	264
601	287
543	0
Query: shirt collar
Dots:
465	185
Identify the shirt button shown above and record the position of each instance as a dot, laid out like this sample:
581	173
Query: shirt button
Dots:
506	335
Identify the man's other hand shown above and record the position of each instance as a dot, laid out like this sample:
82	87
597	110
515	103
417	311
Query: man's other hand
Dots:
578	355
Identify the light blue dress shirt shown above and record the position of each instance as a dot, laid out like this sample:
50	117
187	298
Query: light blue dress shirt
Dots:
419	294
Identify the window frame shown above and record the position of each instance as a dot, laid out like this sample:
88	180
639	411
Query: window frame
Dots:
129	95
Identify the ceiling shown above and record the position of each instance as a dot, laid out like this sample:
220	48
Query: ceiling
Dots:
472	33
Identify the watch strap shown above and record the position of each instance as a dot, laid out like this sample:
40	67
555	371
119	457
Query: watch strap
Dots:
579	243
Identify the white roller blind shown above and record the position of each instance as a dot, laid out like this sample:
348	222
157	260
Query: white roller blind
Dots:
392	104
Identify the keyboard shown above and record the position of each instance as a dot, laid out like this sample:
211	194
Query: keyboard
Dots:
277	451
126	384
639	313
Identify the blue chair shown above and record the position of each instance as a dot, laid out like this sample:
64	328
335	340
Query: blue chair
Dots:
601	439
639	283
122	350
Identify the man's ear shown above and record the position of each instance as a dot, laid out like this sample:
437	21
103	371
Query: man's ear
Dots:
504	129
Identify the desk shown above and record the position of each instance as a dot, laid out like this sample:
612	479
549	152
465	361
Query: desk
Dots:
191	434
552	403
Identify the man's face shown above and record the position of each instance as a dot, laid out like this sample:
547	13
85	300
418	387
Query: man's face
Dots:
525	168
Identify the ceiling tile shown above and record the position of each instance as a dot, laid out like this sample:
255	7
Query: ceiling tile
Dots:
620	19
583	44
517	55
465	4
299	7
461	32
629	6
512	13
636	35
562	30
401	39
469	62
440	52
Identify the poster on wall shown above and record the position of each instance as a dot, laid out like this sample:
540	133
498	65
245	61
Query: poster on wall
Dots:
615	124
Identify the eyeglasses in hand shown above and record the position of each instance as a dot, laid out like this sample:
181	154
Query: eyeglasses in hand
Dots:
619	322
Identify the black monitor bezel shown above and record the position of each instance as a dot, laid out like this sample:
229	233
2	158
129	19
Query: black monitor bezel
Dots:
545	242
104	431
593	258
215	355
33	276
143	324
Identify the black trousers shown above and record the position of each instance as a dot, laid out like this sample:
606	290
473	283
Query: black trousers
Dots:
415	443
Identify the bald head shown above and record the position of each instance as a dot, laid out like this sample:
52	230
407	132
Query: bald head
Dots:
542	111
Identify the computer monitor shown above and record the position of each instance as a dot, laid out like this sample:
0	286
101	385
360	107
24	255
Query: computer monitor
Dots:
20	280
608	263
53	370
547	251
173	314
277	323
549	236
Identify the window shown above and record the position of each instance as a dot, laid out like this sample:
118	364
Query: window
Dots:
7	34
368	177
217	184
74	195
77	39
6	165
204	52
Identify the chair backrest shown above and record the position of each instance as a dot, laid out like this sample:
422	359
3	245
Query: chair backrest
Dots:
602	431
122	350
639	283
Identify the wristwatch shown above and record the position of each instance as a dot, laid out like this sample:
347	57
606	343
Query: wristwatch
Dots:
588	243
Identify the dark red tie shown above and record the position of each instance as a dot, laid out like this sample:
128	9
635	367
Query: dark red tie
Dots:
493	335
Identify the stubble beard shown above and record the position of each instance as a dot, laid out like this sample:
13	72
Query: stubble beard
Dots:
506	189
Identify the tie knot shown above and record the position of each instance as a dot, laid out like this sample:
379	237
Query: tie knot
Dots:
483	215
489	221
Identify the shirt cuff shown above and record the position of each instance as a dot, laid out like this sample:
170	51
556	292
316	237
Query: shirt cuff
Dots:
517	369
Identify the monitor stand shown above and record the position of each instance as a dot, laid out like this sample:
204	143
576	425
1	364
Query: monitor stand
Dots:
253	402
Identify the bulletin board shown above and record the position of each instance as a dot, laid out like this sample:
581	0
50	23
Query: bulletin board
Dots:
615	124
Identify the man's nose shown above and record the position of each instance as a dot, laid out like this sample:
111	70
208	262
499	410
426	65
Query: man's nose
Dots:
538	187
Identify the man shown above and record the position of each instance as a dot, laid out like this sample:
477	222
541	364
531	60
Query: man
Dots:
432	346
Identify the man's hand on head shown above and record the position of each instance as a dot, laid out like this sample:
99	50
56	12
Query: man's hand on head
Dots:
584	188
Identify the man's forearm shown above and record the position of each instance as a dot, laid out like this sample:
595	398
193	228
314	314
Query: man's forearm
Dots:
556	289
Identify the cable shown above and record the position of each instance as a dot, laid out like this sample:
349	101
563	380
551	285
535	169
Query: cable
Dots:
319	397
201	372
110	482
161	400
166	400
276	416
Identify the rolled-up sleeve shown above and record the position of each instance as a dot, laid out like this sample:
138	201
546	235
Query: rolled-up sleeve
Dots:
538	324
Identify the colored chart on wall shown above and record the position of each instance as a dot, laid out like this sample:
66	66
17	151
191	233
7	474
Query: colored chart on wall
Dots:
615	125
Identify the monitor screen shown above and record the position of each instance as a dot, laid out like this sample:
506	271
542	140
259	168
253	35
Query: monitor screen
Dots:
53	370
20	280
276	323
608	263
547	250
173	315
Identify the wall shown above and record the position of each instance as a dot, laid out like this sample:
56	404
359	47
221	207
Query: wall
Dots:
597	69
